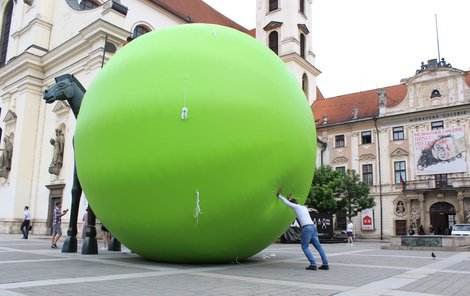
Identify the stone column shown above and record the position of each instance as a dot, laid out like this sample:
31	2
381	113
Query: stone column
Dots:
461	208
424	218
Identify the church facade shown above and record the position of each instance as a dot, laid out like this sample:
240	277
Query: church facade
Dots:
42	40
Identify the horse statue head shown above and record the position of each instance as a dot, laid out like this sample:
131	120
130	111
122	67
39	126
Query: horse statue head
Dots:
68	88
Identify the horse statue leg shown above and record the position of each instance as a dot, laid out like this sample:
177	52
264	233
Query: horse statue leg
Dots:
70	243
114	244
90	244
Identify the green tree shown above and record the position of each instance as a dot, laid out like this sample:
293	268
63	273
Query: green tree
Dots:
323	195
354	195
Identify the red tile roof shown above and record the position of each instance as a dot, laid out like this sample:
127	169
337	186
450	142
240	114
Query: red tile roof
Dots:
467	78
340	109
197	11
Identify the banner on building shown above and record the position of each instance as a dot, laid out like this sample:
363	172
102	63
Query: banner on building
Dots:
440	151
367	219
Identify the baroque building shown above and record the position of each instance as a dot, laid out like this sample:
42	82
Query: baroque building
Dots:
41	40
409	143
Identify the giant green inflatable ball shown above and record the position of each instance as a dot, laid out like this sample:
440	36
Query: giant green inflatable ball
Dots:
196	185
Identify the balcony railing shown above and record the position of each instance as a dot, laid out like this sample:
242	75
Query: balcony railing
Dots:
431	183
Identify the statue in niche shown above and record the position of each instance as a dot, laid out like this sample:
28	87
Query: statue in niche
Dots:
58	156
5	165
400	208
415	217
467	215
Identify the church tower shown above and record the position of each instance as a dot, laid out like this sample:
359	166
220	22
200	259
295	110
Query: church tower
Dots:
284	26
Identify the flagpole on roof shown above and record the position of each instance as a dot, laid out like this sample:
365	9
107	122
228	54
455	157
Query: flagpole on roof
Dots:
437	37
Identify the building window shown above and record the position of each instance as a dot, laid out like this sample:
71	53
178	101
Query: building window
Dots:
341	169
339	141
305	84
274	42
400	172
6	23
366	137
88	4
139	31
436	125
273	5
435	94
367	176
302	6
398	133
441	180
302	45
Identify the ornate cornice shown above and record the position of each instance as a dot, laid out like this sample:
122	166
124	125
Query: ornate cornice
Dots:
367	157
340	160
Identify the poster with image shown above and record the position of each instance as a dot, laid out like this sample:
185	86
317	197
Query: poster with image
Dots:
440	151
367	219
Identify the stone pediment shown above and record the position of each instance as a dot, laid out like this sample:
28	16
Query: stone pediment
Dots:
399	152
340	160
10	117
272	25
437	74
61	107
303	28
367	157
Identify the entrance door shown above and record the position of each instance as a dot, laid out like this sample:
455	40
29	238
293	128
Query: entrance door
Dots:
55	195
441	213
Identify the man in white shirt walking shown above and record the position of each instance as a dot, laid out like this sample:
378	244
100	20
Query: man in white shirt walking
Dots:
309	233
349	231
26	222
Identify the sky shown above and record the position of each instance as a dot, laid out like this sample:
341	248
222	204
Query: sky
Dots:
368	44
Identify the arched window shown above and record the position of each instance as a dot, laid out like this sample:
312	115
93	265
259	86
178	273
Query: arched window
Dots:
273	5
302	6
139	31
88	4
5	32
302	45
274	42
305	84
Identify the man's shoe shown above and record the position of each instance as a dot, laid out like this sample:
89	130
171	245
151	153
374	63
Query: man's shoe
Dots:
54	246
311	267
324	267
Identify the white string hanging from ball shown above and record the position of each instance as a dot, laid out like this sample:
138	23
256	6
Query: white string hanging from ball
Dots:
184	111
197	209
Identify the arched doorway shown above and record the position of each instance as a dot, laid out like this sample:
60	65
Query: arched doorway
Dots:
442	216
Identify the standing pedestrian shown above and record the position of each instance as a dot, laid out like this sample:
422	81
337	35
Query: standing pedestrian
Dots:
349	231
106	236
85	223
26	222
309	233
57	223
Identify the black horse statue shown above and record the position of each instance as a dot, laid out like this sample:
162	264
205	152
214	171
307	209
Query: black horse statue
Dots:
68	88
